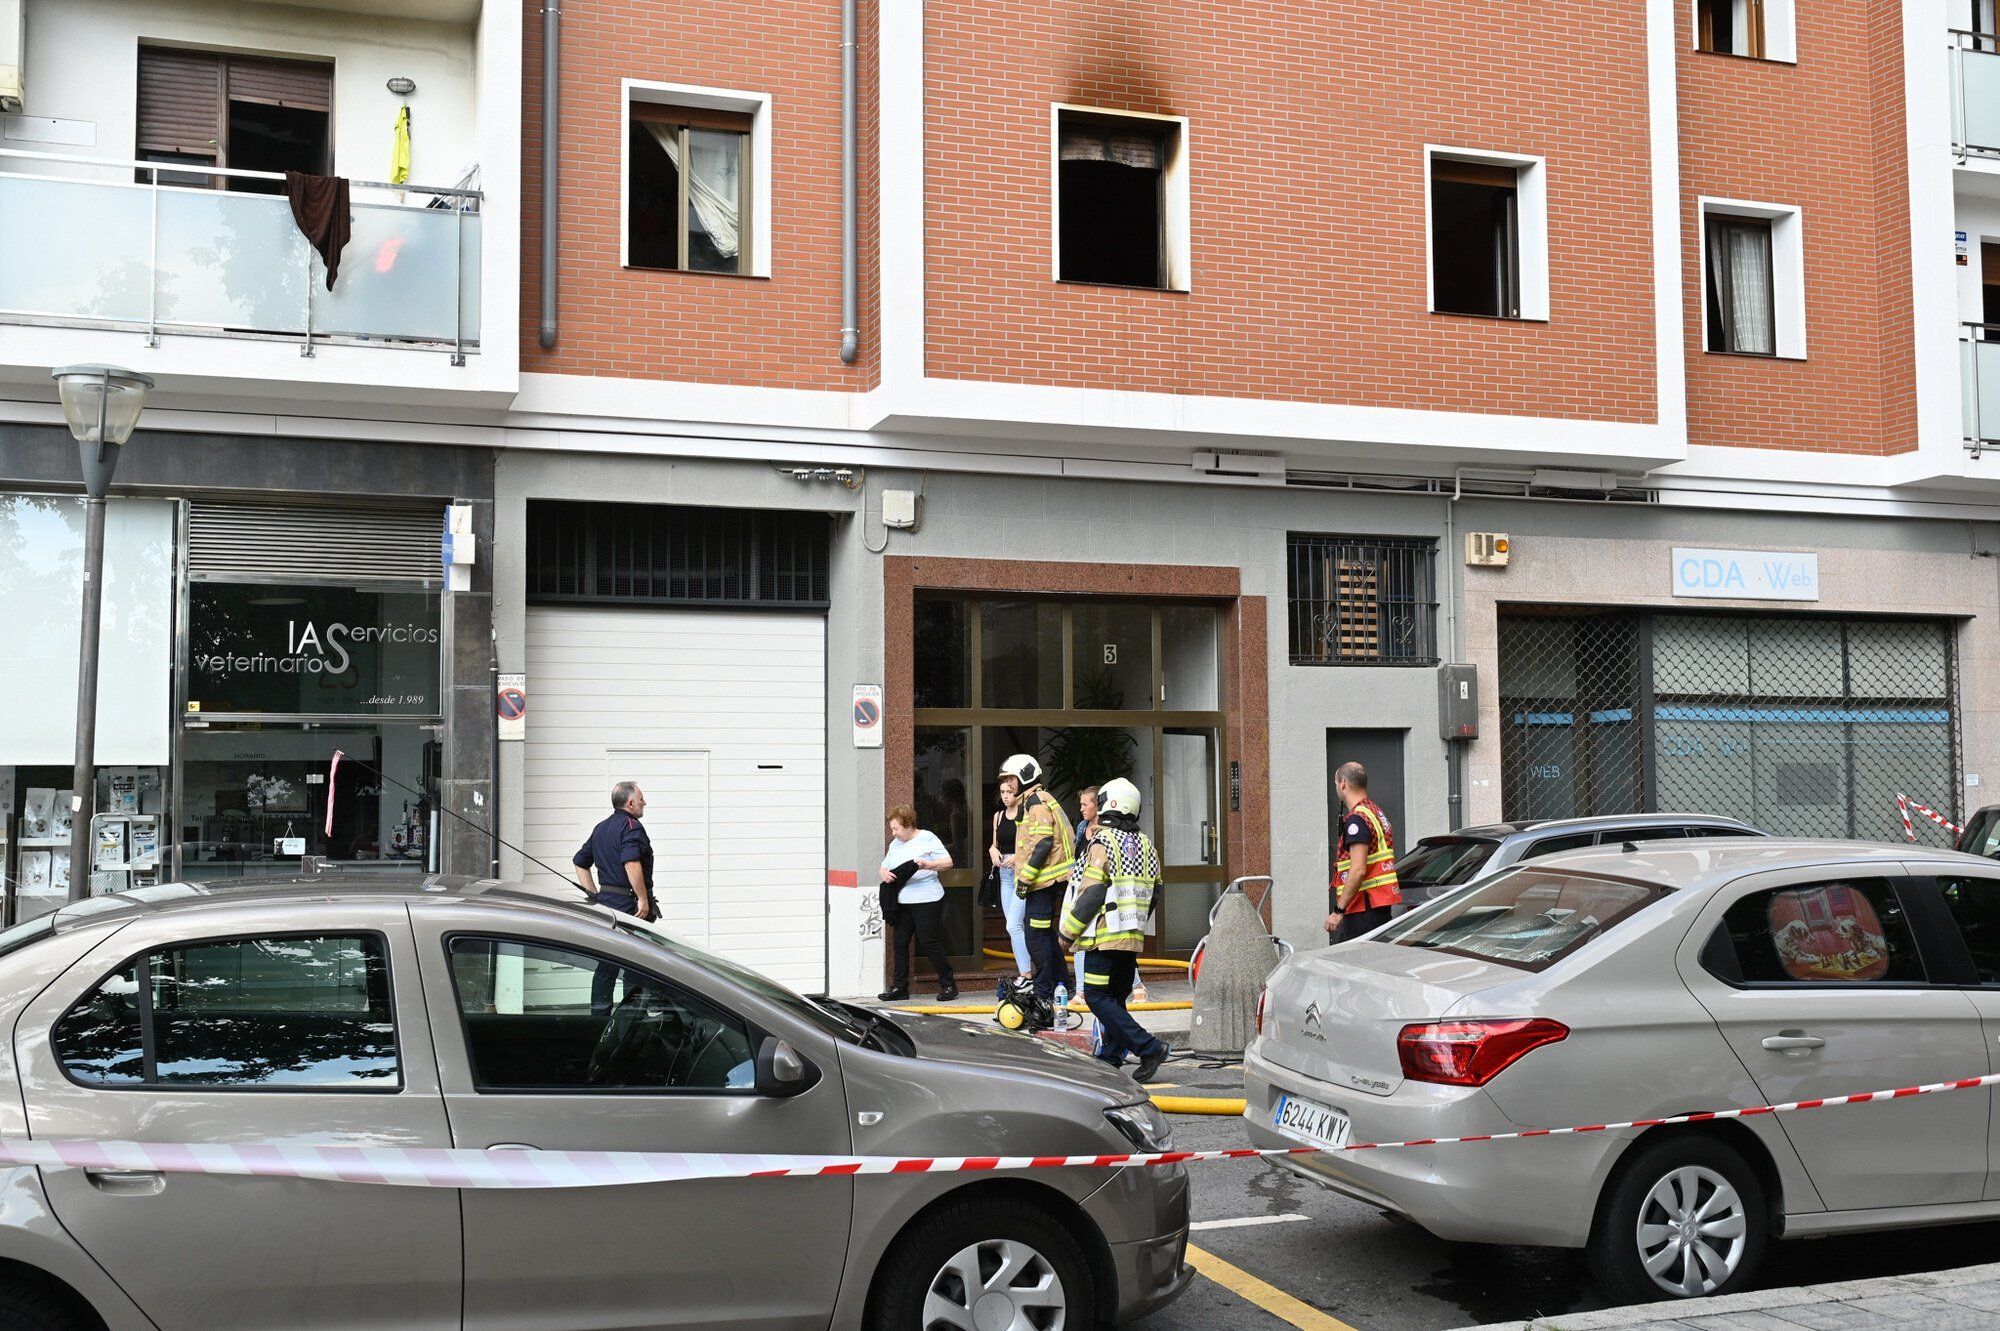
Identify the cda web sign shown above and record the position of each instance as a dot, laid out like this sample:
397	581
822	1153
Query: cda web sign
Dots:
1745	575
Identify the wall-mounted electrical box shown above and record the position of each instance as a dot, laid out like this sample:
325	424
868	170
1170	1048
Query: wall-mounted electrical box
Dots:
899	509
1458	701
1487	549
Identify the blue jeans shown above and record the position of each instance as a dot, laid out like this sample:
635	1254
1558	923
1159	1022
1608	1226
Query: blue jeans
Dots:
1106	986
1015	908
606	979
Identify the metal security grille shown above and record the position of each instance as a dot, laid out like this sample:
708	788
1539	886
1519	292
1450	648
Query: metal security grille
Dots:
366	543
1802	726
657	554
1362	602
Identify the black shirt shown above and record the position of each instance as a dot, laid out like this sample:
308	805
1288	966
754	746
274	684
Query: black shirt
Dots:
1004	837
614	843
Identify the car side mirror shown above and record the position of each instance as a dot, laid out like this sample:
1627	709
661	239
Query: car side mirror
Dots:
781	1071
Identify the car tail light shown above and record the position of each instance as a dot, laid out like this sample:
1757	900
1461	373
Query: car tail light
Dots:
1263	997
1471	1053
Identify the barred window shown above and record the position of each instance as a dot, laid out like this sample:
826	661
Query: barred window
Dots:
661	554
1362	600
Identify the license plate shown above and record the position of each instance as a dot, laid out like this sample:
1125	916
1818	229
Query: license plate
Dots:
1316	1123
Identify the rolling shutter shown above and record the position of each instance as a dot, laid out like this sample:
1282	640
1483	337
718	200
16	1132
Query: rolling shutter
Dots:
296	83
364	543
180	101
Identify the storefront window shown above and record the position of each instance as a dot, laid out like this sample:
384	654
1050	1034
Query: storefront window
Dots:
300	649
254	797
1113	662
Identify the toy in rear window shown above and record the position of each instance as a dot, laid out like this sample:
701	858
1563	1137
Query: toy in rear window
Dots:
1828	933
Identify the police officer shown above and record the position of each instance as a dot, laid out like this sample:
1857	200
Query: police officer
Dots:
1364	884
1043	854
622	855
1115	882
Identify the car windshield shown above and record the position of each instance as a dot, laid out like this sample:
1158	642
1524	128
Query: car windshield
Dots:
1445	861
834	1018
1528	919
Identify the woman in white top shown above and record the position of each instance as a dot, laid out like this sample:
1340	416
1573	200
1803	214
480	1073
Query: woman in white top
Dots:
914	858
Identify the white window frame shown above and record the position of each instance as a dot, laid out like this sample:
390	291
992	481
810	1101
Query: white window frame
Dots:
1175	190
1781	30
1531	221
756	105
1788	269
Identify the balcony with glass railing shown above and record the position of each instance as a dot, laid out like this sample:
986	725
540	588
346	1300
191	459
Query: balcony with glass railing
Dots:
97	243
1979	385
1975	94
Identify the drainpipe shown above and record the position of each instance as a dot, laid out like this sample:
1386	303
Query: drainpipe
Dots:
850	306
551	123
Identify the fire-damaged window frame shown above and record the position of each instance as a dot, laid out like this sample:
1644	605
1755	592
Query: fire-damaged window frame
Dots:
1174	269
695	109
1362	600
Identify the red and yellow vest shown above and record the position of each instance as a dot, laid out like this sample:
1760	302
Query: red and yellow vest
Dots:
1378	884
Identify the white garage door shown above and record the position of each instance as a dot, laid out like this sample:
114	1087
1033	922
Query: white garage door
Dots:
720	717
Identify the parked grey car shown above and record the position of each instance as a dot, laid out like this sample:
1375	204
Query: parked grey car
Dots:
460	1013
1438	864
1611	985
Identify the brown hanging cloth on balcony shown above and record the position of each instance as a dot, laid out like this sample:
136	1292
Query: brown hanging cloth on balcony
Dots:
320	208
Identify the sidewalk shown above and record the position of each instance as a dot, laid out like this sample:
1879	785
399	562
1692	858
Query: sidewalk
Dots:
977	998
1960	1300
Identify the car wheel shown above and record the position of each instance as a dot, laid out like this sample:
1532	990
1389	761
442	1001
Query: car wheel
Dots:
987	1265
28	1306
1683	1219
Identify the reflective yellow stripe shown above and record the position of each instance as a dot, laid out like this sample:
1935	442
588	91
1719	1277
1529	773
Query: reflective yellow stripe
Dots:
1040	924
1099	980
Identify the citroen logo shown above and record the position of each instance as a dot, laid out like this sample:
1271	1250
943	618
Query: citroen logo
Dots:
1310	1028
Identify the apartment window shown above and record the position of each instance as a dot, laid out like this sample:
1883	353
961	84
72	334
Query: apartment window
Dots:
1362	600
697	180
206	109
1753	282
1759	29
1488	235
1121	199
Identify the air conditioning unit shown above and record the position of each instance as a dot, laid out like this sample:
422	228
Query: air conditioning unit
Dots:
1487	549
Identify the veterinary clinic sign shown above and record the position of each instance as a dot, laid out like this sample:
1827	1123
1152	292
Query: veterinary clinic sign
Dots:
306	649
1745	575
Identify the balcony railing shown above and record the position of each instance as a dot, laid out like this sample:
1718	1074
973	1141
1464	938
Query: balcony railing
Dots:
145	253
1975	94
1979	385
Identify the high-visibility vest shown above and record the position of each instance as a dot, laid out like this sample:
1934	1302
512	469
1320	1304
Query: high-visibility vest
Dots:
1378	884
1131	871
1042	818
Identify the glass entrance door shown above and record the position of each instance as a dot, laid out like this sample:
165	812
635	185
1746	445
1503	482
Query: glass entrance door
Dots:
1190	835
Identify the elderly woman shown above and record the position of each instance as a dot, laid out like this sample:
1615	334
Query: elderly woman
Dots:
913	860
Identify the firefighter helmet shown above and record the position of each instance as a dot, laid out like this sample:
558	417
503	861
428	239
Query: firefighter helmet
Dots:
1024	769
1118	796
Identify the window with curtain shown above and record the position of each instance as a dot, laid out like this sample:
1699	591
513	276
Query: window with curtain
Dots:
1730	27
1741	300
1112	175
688	192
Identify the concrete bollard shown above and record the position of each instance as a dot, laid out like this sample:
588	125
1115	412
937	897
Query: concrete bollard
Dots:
1236	960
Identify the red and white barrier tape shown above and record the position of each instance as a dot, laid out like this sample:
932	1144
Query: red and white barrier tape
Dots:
439	1167
1903	806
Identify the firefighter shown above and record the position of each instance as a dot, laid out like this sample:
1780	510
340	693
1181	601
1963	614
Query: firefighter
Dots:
1115	882
1043	854
1364	888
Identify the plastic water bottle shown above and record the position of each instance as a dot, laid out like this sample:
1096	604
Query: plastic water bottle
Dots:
1062	1007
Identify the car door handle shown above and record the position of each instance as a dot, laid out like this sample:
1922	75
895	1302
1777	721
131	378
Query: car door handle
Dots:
1792	1042
512	1146
126	1182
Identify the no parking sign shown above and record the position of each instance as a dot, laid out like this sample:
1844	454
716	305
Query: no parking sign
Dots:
510	706
867	716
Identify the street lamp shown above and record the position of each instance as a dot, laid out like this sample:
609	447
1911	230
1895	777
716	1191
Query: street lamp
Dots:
101	404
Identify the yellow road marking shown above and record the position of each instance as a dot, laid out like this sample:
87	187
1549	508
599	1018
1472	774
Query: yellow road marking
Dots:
1289	1310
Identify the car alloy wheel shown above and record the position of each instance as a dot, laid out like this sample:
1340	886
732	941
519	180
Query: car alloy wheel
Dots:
1692	1231
996	1285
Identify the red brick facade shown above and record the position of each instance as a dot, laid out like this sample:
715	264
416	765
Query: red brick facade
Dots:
1826	136
1307	126
777	332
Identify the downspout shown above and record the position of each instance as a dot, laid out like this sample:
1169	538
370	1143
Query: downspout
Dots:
551	123
850	305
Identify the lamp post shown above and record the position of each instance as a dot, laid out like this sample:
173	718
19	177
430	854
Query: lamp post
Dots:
101	404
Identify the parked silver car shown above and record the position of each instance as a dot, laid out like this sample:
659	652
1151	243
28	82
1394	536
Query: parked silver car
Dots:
456	1013
1610	985
1437	864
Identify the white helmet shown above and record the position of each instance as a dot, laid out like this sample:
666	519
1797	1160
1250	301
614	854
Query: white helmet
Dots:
1023	769
1118	796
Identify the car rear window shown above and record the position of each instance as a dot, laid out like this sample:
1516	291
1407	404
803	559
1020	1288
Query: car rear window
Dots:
1445	862
1528	919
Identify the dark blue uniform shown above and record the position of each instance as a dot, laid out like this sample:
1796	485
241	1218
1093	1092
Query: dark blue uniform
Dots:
614	843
